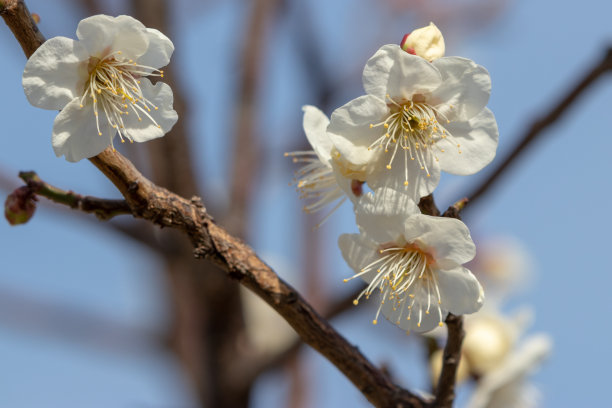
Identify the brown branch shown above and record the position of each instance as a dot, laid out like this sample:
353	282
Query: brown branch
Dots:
538	126
104	209
161	207
445	392
17	17
211	241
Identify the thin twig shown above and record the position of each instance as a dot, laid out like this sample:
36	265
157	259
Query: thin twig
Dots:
103	208
445	392
538	126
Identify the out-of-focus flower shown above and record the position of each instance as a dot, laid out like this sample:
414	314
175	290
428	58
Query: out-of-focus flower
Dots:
506	386
99	83
502	265
413	260
416	119
426	42
321	180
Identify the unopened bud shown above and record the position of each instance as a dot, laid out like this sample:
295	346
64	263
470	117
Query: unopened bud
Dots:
19	206
426	42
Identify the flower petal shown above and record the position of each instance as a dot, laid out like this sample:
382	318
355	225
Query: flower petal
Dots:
315	126
466	86
358	250
55	74
349	128
143	130
381	215
478	139
449	239
419	185
75	134
393	71
399	317
103	35
160	50
460	291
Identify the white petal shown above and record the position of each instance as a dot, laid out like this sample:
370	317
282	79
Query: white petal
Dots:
349	128
343	182
103	34
466	85
75	134
56	73
161	96
358	251
395	72
381	215
315	126
460	291
419	185
399	317
448	238
159	52
478	139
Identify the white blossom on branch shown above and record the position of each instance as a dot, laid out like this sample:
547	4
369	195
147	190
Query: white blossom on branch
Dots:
99	83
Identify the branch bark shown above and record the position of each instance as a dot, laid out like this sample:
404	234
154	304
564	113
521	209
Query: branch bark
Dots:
103	208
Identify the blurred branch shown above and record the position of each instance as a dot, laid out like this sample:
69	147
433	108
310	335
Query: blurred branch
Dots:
538	126
27	313
170	156
445	393
104	209
246	155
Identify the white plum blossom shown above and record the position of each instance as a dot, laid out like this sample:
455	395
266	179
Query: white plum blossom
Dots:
99	83
417	118
322	179
413	260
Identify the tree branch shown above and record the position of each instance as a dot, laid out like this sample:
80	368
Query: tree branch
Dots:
445	392
538	126
211	241
103	209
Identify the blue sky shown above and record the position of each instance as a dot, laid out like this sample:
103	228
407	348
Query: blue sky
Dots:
554	201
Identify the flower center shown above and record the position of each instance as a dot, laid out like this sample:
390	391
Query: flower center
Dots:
114	88
412	127
406	276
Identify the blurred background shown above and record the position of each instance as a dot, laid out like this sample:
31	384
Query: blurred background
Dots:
117	314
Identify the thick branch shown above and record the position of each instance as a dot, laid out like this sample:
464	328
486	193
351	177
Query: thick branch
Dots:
211	241
103	209
537	128
17	17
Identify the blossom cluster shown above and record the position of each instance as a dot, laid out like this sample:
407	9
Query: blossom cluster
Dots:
422	113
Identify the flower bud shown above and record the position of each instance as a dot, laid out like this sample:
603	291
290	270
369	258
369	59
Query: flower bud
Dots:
19	206
426	42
